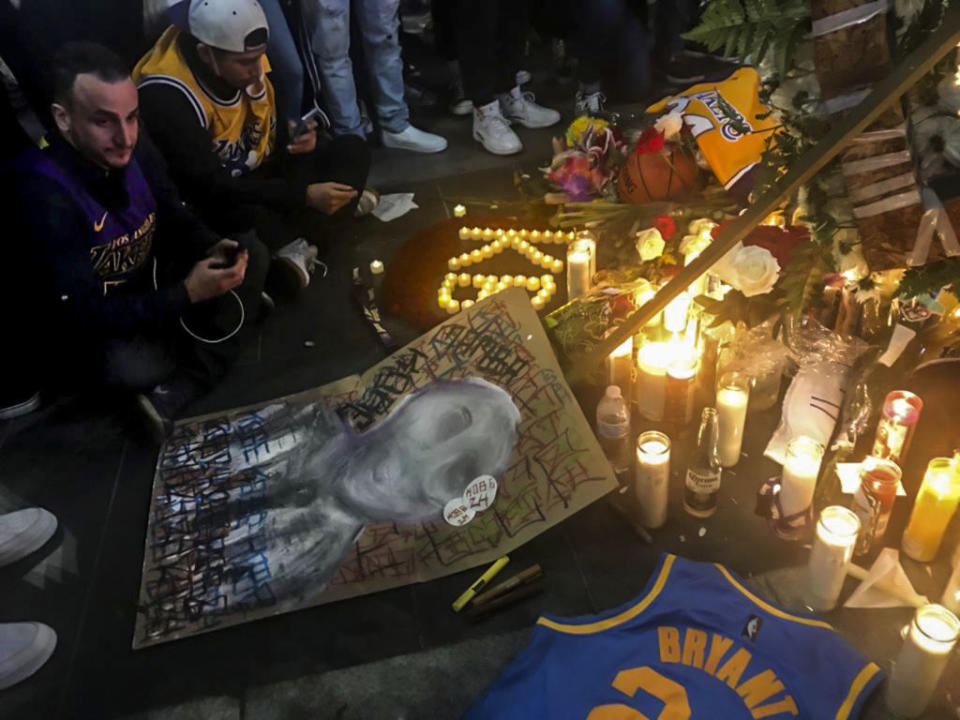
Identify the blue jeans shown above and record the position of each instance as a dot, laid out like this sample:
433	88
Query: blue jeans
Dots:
286	69
379	24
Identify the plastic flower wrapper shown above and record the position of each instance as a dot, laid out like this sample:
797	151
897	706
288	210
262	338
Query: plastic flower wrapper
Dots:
585	160
650	244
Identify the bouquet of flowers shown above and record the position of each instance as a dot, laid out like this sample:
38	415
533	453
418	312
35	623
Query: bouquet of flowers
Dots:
586	161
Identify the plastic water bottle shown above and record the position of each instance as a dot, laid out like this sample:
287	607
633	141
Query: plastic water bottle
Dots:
613	429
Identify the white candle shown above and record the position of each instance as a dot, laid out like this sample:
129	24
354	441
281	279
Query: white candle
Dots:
459	211
837	533
376	267
650	388
800	470
652	480
587	242
733	393
578	273
925	652
675	313
620	367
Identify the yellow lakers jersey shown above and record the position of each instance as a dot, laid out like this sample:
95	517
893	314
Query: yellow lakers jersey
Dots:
731	125
243	130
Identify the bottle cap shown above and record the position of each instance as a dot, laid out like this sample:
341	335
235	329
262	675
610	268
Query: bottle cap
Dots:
613	391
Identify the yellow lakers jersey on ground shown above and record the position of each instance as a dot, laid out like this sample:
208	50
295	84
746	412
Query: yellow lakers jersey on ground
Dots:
243	130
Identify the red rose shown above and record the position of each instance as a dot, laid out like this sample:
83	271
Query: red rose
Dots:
779	242
666	226
621	305
650	141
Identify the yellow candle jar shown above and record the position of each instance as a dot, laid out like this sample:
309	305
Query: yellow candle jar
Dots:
935	505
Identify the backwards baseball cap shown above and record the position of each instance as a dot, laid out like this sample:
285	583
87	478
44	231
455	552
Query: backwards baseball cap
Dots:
232	25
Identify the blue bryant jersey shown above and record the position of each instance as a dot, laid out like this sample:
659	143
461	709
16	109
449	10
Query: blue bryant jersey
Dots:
697	644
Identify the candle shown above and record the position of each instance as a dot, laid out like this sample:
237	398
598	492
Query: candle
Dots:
453	306
459	211
546	279
466	304
520	281
464	259
534	236
680	386
450	279
476	233
556	267
901	411
453	263
548	236
547	261
507	280
620	367
586	241
533	283
578	272
733	393
537	302
523	233
536	257
923	656
376	267
935	505
675	313
830	557
801	467
487	251
873	500
487	234
464	280
479	280
650	388
497	247
652	479
464	231
476	256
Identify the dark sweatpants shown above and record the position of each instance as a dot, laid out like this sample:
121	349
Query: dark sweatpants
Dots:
490	35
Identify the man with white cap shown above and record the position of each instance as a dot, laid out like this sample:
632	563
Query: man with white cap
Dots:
210	107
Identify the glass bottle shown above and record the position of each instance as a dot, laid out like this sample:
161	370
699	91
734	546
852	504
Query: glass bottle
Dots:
702	482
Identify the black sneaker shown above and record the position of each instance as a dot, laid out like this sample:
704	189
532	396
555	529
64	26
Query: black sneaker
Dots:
690	67
166	401
14	404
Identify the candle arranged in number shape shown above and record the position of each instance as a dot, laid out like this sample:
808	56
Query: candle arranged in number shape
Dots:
733	394
801	466
935	504
926	649
836	536
652	481
901	412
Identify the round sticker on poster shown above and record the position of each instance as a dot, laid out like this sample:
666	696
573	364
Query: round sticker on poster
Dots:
480	493
457	513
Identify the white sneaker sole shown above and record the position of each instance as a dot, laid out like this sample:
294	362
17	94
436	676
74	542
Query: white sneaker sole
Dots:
27	406
42	648
423	149
33	537
530	125
479	138
464	107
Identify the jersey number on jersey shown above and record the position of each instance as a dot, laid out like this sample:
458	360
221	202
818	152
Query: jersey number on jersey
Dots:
671	694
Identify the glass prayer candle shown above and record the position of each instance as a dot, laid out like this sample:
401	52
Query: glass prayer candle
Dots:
680	387
733	394
620	368
927	645
801	466
873	500
675	313
935	504
586	241
650	388
836	536
901	411
652	479
578	272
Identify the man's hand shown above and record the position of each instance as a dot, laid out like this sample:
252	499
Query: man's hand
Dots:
205	281
225	252
305	142
329	197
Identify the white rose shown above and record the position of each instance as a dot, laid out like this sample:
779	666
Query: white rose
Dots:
751	270
650	244
669	124
703	225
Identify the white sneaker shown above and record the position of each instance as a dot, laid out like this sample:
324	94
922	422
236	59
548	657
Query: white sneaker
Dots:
414	140
460	104
24	648
589	104
302	257
523	77
493	131
520	106
23	532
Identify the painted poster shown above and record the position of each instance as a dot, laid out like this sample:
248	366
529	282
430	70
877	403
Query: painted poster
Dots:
450	453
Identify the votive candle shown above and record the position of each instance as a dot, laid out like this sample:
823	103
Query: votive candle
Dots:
833	546
901	411
926	649
464	231
935	504
652	478
733	394
801	466
578	272
459	211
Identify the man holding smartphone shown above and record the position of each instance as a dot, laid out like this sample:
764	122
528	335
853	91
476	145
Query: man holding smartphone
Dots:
210	107
125	275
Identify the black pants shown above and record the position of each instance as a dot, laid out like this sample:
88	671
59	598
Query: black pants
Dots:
490	35
344	159
142	361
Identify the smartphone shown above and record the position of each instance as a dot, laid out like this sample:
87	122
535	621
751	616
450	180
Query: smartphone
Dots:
230	258
303	126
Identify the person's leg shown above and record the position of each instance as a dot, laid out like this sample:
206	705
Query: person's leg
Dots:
331	45
477	41
379	23
287	70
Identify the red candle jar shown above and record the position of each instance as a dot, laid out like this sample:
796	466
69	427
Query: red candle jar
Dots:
873	500
901	411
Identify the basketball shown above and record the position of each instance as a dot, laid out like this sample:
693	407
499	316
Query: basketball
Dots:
652	177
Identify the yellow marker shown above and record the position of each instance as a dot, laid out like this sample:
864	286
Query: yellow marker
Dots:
481	583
